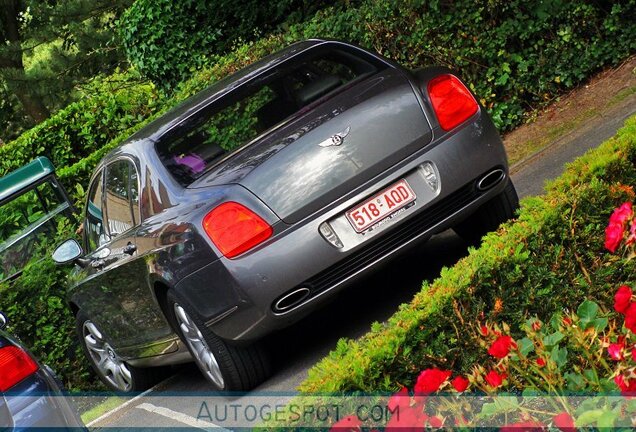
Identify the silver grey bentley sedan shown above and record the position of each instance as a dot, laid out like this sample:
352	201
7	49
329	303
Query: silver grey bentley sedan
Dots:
246	207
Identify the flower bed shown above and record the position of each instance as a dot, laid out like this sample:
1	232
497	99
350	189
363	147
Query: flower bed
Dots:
549	265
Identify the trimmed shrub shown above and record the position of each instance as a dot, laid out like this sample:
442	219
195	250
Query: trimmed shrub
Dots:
548	260
121	102
516	56
168	40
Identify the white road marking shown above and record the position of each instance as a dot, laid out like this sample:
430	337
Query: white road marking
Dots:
121	407
180	417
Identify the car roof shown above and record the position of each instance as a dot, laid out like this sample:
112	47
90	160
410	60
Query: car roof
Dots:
24	177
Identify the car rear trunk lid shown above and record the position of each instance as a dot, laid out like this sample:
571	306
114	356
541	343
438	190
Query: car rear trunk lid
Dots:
330	150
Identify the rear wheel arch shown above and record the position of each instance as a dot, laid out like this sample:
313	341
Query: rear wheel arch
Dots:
235	367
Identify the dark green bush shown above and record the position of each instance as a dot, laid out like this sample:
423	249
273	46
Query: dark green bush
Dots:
548	260
84	126
168	40
516	55
38	314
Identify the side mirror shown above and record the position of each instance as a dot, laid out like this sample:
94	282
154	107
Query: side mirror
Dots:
67	252
3	321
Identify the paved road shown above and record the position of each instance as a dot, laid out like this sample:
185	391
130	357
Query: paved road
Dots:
373	299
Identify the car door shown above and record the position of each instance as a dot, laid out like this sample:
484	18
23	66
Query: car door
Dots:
116	286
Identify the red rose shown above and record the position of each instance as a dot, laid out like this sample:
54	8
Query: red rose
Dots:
622	214
540	362
564	422
613	236
435	422
615	351
632	233
407	420
483	330
430	380
400	400
527	426
622	299
536	325
630	317
626	386
500	348
495	379
347	424
460	383
634	354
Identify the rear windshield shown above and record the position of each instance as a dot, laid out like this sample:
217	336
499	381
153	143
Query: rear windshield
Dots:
258	107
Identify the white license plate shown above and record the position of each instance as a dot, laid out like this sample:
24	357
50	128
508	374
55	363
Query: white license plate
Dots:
381	205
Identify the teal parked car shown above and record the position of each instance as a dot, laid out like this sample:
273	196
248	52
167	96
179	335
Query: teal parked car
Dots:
31	202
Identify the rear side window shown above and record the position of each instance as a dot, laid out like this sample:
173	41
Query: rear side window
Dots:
122	203
94	231
255	108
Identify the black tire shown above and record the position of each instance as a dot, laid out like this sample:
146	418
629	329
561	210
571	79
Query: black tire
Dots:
489	216
140	378
241	367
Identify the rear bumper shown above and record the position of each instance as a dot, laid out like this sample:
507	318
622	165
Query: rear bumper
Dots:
299	257
37	403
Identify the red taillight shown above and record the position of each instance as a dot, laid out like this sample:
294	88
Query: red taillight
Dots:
234	228
451	100
15	365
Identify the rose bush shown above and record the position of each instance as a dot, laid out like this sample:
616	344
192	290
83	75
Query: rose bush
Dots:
590	351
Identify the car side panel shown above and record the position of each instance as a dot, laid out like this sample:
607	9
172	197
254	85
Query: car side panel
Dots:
118	300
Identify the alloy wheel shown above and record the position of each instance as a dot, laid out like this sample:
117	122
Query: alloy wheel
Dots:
106	360
201	352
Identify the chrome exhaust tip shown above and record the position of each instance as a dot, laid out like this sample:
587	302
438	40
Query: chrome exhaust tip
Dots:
491	179
291	299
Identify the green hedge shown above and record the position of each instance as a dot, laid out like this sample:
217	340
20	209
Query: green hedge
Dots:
516	55
549	259
121	102
168	47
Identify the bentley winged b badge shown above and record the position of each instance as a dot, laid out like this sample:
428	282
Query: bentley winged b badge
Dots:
335	140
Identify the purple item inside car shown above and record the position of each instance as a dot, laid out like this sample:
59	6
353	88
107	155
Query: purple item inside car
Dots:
192	161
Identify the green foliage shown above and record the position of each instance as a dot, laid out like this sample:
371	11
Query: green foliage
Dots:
84	126
48	47
544	262
516	55
168	40
14	122
36	307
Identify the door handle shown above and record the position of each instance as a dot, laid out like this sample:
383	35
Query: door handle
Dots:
130	248
98	264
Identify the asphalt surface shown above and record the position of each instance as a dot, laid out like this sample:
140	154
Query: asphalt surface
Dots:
174	403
